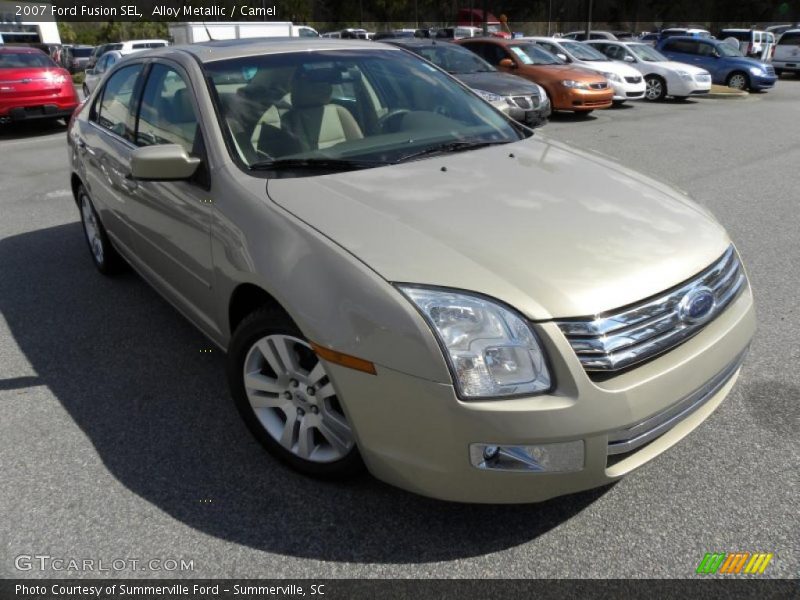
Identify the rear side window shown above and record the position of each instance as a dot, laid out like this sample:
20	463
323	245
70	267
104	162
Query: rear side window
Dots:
144	45
25	60
791	38
167	115
684	46
114	111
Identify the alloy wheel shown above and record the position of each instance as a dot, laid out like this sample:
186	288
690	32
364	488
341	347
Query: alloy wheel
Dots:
655	89
92	229
737	81
294	400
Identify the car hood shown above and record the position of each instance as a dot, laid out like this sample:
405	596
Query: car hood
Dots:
557	72
609	66
679	66
550	230
743	61
498	83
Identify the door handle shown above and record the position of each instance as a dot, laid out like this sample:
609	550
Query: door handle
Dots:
129	183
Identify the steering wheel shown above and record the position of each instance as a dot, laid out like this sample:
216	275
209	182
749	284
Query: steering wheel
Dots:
390	122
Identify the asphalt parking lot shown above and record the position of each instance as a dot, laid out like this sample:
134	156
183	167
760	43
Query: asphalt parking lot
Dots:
118	439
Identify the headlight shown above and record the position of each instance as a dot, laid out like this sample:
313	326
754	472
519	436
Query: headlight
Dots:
580	85
613	77
757	71
489	96
491	350
684	75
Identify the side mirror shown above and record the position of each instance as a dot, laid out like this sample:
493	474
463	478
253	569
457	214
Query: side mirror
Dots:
169	162
563	57
629	58
507	63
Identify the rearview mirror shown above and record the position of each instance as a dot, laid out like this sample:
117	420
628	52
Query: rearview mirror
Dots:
507	63
169	162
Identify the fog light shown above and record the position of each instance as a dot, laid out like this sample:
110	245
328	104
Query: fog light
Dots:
561	457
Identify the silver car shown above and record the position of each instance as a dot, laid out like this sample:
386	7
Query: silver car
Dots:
402	277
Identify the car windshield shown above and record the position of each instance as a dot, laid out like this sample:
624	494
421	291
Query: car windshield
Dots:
727	50
531	54
647	53
453	59
583	52
25	60
347	109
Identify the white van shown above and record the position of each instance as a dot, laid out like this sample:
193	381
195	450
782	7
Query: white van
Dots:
787	53
751	42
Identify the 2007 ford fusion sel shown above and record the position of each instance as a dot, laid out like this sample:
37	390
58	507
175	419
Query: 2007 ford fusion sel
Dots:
402	277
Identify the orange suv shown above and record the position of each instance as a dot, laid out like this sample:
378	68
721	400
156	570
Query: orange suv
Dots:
569	88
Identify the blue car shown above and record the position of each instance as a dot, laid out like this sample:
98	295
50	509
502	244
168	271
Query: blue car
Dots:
725	63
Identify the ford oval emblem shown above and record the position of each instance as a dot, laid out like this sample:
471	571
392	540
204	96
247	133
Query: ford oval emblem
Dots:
696	305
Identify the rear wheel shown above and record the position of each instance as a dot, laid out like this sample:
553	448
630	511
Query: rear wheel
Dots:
656	88
287	400
104	256
738	80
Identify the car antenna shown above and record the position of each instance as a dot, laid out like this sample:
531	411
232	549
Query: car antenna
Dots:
208	33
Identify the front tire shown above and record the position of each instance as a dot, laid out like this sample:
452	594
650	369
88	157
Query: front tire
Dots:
287	400
656	88
103	254
738	80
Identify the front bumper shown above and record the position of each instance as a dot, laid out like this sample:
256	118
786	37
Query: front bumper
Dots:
758	82
581	100
416	434
628	91
677	86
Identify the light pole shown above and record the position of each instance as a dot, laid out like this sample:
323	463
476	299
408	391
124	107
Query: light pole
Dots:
589	21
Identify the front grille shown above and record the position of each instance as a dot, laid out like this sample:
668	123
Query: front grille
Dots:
625	441
770	70
616	340
598	86
633	79
634	94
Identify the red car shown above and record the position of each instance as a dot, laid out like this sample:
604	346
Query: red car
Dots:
32	86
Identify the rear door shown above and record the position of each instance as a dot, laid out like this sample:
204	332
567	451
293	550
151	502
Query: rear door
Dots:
105	144
172	219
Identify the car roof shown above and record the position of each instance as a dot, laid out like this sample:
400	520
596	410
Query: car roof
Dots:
226	49
690	38
417	42
20	50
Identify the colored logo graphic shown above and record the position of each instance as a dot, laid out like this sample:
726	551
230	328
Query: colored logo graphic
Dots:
734	563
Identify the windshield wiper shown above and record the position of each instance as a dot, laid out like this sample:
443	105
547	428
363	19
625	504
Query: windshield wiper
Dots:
447	147
323	164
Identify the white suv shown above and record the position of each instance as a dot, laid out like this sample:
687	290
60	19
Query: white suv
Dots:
627	82
787	53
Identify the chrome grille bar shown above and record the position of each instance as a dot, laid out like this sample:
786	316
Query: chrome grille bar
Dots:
616	340
636	436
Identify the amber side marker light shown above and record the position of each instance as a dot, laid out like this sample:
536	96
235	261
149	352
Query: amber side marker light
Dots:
339	358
